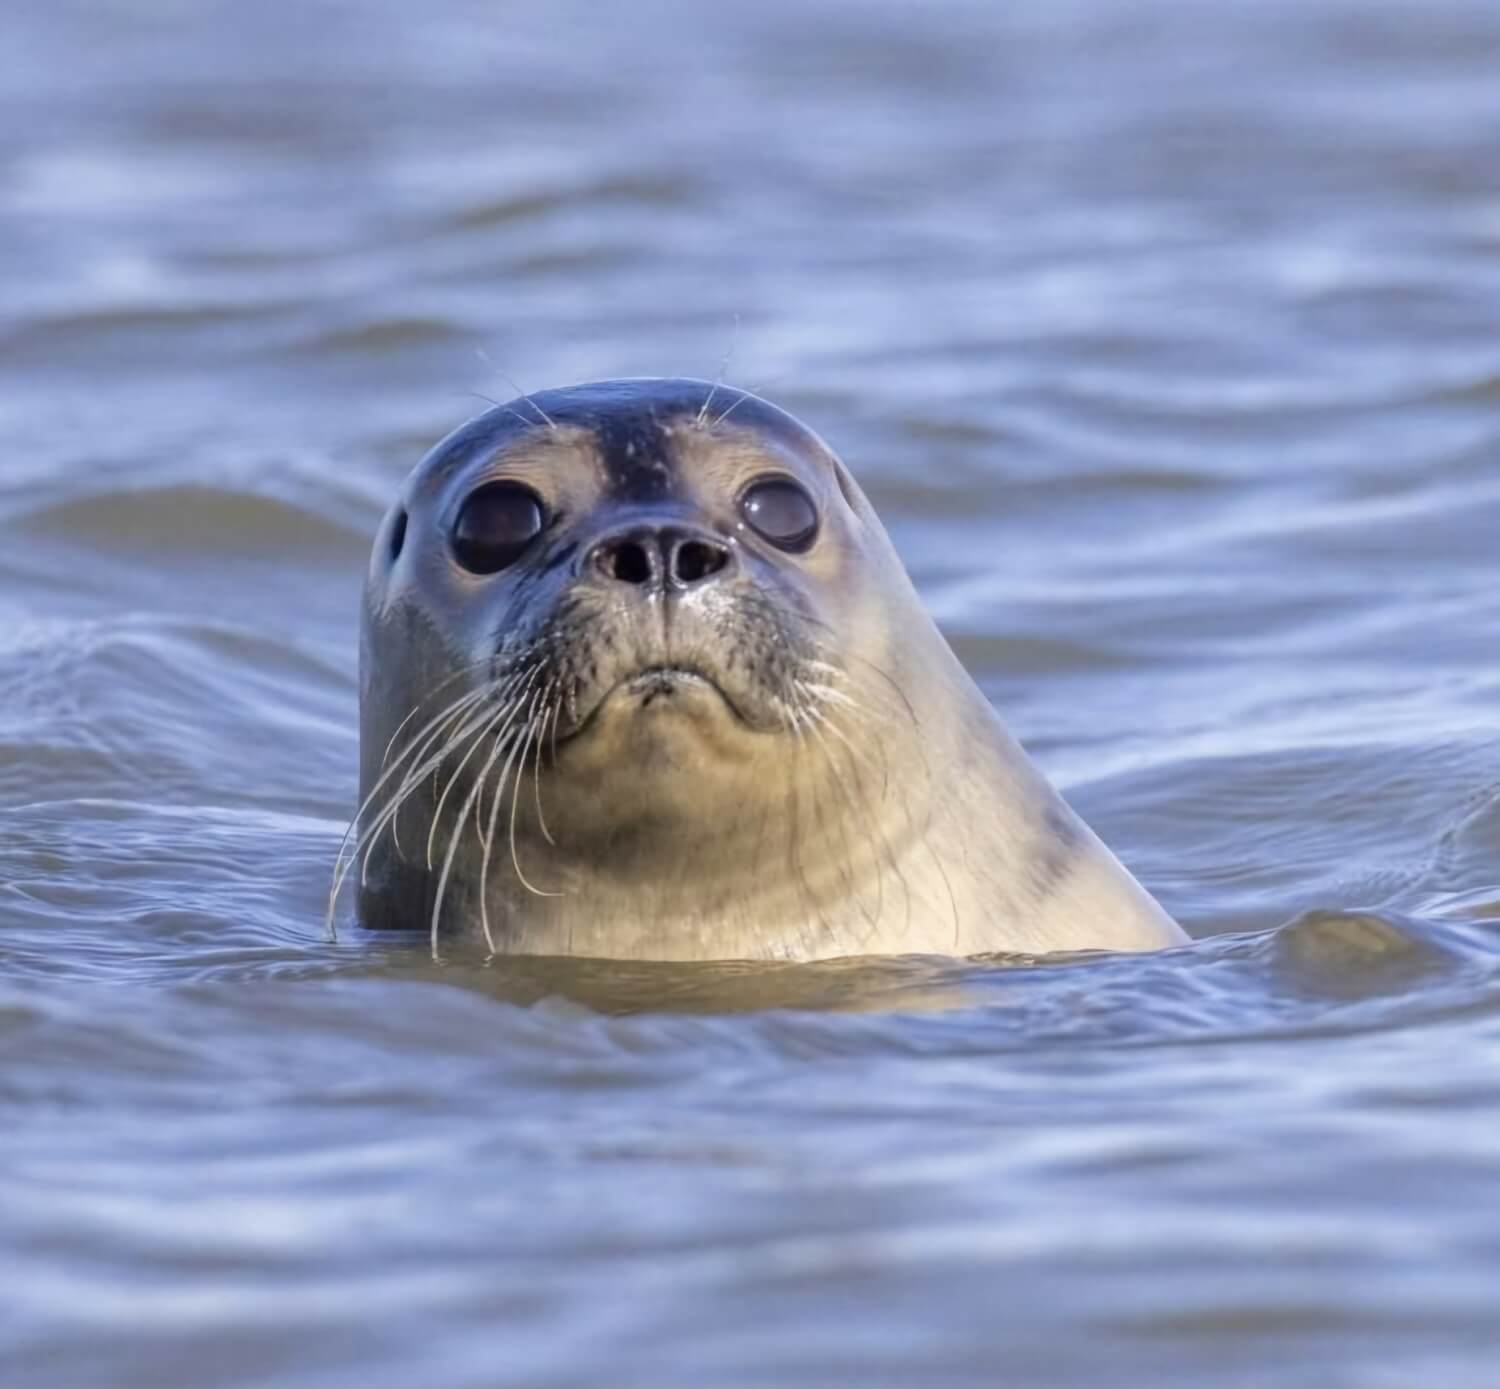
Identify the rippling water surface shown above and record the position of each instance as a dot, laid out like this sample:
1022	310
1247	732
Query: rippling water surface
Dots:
1167	339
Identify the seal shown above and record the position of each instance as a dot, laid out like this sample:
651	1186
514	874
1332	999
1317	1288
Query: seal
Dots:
642	677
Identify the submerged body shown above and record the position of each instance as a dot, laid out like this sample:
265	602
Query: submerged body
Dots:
643	677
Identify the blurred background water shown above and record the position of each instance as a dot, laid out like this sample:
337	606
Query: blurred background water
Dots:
1165	338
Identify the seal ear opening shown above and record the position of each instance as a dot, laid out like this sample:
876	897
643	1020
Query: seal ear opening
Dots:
398	535
846	485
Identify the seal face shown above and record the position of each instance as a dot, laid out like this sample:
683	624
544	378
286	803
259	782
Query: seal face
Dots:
642	677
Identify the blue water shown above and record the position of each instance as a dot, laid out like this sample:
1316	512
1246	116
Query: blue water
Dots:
1163	337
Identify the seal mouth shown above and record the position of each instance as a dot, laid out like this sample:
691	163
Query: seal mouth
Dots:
667	681
664	682
658	686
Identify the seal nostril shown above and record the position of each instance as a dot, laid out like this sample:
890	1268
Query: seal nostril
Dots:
398	535
651	556
628	562
696	559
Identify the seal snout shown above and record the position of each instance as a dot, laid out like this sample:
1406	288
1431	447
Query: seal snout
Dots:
673	556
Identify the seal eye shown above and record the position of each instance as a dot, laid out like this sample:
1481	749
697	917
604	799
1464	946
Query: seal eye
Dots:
496	523
780	510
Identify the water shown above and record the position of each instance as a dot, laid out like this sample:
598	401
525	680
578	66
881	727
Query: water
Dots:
1163	337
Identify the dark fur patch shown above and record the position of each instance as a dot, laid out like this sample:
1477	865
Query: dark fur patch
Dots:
1056	849
637	463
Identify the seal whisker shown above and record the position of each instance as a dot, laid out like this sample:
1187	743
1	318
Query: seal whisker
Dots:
854	656
719	379
443	738
507	711
531	401
794	625
732	408
515	796
554	712
855	751
800	717
423	764
509	410
342	867
524	395
517	742
856	758
412	713
859	815
413	779
806	899
828	694
486	840
489	831
513	744
472	726
417	740
478	828
505	717
457	835
566	698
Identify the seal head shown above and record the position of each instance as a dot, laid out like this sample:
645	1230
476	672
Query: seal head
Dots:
642	677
